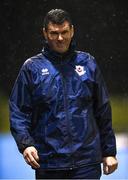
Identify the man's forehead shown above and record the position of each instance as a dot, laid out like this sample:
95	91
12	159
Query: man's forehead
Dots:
63	26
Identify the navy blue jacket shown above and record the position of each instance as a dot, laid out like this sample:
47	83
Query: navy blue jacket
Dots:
60	105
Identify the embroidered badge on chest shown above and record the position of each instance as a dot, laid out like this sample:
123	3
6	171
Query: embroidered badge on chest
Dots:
45	71
80	70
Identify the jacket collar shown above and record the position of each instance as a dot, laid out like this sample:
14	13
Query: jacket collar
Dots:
59	58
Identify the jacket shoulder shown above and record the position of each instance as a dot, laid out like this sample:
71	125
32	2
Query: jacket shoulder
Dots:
34	61
86	58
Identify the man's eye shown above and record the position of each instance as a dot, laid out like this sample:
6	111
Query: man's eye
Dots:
54	33
65	32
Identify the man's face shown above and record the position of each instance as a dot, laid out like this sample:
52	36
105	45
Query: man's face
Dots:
59	36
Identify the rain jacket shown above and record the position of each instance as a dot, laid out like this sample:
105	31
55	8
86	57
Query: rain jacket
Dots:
60	105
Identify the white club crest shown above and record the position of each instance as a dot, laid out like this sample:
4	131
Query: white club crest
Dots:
80	70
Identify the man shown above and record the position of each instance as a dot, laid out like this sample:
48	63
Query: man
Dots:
60	115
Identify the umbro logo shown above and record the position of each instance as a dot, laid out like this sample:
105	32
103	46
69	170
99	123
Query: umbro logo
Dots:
45	71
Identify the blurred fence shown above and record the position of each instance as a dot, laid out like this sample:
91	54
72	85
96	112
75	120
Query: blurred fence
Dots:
119	113
13	166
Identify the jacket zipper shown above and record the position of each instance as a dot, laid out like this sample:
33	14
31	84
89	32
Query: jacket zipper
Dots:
67	115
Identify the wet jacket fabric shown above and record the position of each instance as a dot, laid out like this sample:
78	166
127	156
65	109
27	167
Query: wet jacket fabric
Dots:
60	105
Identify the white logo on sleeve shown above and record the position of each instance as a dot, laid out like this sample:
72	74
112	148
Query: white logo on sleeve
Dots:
45	71
80	70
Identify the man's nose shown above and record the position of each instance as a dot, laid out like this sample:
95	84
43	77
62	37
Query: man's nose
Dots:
60	37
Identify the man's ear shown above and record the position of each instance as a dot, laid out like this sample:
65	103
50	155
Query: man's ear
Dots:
45	33
72	31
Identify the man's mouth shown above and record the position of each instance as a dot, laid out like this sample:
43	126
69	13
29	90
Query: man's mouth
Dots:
60	43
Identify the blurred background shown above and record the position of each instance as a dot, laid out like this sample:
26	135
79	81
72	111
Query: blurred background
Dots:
101	28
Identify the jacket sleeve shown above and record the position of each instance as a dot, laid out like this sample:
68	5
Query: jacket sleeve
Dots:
20	109
103	115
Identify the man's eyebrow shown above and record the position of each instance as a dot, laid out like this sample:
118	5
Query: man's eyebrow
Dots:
56	31
50	29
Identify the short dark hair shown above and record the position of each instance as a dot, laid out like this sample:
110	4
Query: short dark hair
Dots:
56	16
